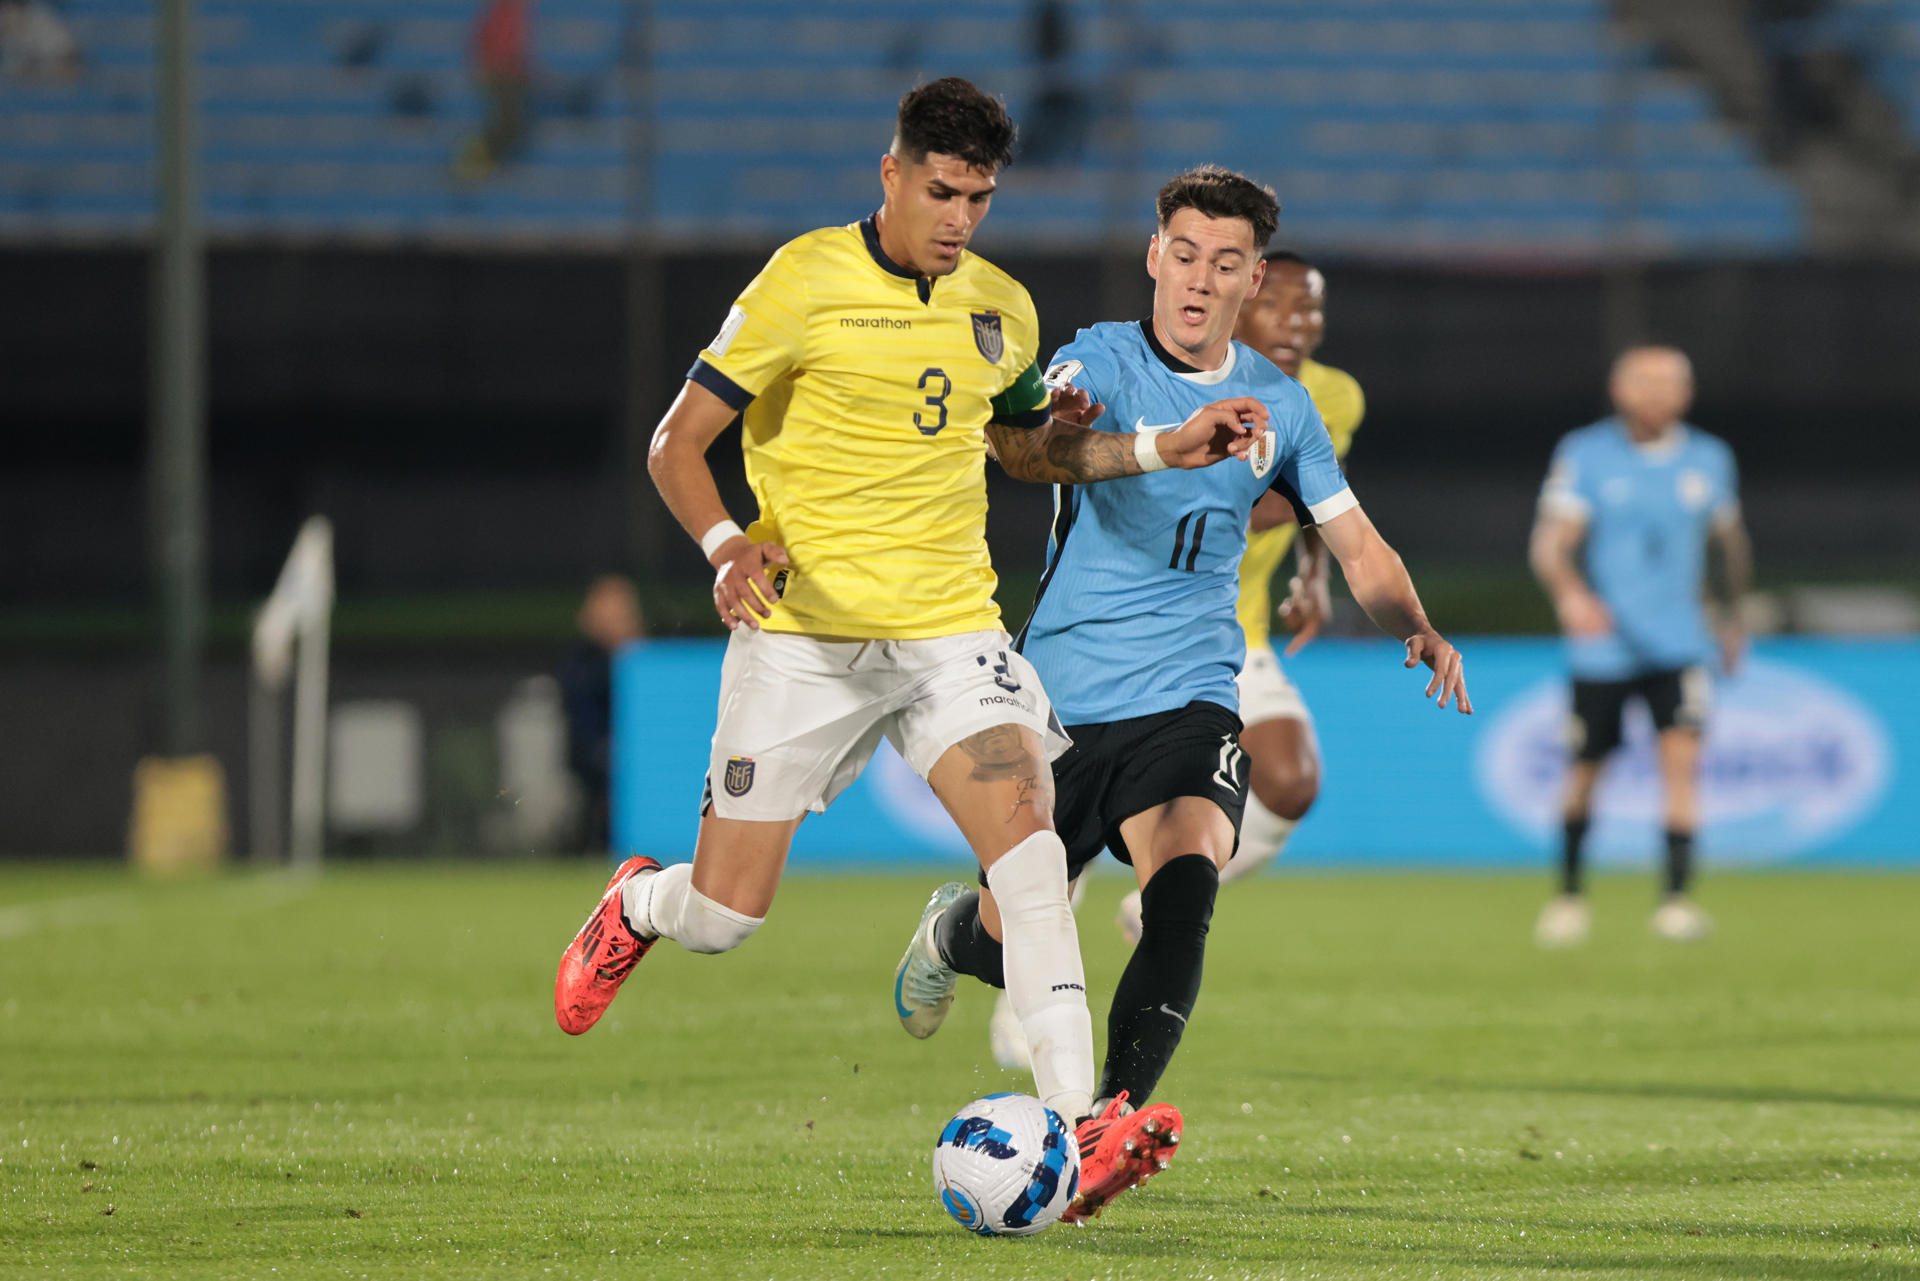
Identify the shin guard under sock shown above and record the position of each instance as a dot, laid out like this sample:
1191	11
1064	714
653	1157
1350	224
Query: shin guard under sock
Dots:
1045	982
1157	992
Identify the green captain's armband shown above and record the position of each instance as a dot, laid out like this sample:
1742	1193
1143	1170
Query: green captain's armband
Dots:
1026	403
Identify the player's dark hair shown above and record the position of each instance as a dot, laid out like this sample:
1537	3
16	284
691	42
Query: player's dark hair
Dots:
954	118
1287	255
1222	193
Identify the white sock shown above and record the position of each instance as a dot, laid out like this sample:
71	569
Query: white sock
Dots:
1045	981
1263	834
665	905
652	903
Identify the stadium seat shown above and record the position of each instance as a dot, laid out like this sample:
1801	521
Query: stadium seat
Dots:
1465	124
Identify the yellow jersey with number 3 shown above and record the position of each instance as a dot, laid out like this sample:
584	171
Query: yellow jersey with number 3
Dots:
866	391
1338	398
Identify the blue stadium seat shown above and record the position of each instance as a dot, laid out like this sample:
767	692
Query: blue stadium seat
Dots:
1885	35
1403	125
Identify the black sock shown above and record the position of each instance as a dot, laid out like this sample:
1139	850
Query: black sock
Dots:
965	944
1574	840
1157	991
1679	861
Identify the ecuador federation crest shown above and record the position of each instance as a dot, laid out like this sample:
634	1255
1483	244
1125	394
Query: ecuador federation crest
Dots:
739	778
987	336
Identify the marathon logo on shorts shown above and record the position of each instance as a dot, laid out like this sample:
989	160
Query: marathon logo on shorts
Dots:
739	777
987	336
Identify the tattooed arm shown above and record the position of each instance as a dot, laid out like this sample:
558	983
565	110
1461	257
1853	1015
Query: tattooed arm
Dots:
1062	454
1068	451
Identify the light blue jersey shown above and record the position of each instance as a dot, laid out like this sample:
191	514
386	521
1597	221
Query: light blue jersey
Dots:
1648	510
1136	610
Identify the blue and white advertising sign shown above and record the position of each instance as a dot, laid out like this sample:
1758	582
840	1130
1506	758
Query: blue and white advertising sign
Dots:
1812	756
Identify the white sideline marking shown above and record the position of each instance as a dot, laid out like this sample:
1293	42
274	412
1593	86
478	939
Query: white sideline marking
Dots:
60	913
267	889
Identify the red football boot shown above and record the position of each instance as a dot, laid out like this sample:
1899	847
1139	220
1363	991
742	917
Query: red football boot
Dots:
1121	1150
600	957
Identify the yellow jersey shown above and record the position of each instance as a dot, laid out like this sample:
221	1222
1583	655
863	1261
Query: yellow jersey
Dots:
866	392
1338	398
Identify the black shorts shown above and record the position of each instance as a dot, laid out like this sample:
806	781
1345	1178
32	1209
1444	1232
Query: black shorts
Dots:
1117	769
1676	699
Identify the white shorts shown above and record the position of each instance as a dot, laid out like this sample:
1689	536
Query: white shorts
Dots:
799	717
1265	692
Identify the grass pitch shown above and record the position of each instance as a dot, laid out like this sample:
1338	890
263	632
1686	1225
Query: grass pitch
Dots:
362	1077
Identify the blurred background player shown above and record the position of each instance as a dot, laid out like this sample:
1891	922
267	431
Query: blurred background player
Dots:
1285	321
503	69
36	43
609	620
1629	508
1135	625
872	363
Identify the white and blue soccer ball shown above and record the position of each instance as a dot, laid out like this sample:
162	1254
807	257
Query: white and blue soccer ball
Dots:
1006	1165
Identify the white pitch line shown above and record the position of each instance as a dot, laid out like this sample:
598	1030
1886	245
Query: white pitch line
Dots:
267	889
60	913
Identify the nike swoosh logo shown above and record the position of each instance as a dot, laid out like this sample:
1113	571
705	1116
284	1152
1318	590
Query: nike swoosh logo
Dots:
1142	425
899	1005
1166	1009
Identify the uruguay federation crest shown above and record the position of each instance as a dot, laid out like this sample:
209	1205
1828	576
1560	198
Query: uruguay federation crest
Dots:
1261	457
1695	489
739	779
987	336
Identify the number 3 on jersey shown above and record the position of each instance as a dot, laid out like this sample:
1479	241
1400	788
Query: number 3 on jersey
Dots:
938	400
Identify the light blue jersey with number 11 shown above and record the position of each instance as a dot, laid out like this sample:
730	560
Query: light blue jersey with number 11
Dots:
1136	610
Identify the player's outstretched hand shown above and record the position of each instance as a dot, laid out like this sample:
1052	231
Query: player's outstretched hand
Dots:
1582	613
1307	608
1733	647
1213	433
1449	669
742	587
1072	405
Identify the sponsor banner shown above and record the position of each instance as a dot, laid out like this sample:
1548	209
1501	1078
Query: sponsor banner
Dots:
1810	757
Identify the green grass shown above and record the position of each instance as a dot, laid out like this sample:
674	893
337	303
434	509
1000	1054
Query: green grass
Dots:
361	1077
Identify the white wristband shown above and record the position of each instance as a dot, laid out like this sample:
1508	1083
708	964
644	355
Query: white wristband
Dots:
1147	453
715	538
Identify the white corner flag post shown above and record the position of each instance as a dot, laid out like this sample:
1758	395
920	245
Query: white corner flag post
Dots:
293	624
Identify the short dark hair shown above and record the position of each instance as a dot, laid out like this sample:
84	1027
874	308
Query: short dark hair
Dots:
1222	193
953	117
1288	255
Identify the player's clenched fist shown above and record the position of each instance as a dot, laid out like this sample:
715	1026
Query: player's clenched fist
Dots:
1214	432
743	588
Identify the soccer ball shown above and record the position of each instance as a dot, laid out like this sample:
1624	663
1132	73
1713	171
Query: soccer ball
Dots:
1006	1165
